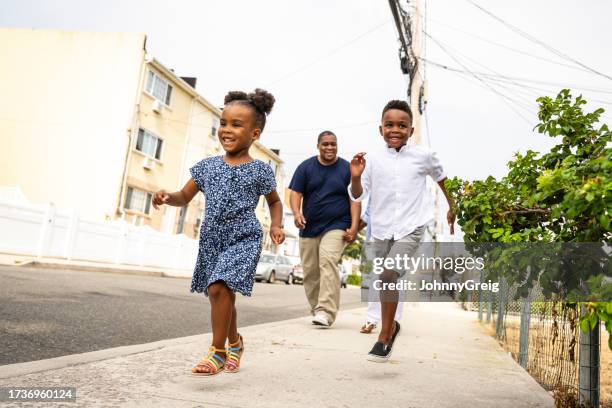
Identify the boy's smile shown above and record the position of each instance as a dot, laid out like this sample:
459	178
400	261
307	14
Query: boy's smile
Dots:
237	128
396	128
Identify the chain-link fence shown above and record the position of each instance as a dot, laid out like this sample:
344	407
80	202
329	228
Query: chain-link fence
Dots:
544	338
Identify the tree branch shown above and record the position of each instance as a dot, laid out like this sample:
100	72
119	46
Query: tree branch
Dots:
527	211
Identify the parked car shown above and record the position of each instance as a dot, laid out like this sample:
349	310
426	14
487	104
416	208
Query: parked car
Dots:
273	267
298	270
344	273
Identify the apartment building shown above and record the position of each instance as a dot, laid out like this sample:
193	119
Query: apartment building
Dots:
90	121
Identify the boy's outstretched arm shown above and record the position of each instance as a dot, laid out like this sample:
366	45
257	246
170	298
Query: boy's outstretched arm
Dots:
450	215
276	214
177	199
358	164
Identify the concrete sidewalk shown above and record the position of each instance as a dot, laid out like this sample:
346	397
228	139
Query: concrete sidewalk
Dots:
441	359
89	266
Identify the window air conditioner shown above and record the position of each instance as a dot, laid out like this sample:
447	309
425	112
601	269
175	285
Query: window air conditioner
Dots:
157	106
148	163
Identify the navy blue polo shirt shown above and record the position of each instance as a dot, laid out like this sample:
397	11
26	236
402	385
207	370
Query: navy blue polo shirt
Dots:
326	204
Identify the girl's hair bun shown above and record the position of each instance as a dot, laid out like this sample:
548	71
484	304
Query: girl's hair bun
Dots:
261	99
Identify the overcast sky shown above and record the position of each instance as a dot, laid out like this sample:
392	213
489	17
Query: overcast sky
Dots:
333	64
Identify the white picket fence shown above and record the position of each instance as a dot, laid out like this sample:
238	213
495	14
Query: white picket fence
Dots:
46	231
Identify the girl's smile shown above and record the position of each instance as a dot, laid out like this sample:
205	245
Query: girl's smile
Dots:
237	128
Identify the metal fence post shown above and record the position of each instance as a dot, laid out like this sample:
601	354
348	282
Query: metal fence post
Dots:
524	333
490	297
589	365
501	308
480	299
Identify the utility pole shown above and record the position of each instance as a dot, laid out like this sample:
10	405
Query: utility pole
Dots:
409	17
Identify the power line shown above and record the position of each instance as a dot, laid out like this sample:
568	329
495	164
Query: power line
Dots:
354	125
516	50
507	100
538	41
319	59
329	54
519	79
494	73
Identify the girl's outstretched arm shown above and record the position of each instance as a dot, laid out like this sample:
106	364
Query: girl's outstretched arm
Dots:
178	198
276	214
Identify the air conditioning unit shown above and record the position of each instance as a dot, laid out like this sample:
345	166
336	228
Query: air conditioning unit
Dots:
148	163
157	106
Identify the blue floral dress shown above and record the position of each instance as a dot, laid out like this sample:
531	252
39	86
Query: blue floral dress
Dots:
231	235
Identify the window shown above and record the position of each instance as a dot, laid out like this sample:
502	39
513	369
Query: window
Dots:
274	166
215	127
138	200
181	221
149	144
159	88
196	226
267	259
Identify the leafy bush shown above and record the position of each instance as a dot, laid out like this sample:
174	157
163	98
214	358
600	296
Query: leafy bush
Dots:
353	280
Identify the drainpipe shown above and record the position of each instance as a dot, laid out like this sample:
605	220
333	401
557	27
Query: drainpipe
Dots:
133	130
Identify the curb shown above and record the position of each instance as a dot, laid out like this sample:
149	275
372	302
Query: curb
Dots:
94	268
31	367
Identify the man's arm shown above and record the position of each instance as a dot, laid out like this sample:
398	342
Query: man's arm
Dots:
295	201
351	233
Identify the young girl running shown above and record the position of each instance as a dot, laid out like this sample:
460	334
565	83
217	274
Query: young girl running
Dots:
231	236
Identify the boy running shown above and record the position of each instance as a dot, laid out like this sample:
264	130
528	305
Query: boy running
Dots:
394	180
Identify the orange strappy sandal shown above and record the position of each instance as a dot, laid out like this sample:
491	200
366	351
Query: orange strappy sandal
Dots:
234	353
212	362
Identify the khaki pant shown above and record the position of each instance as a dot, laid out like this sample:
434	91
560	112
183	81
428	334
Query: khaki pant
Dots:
320	256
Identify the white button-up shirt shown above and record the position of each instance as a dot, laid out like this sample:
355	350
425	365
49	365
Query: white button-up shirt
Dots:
395	184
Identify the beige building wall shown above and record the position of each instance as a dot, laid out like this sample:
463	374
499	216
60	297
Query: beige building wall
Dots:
65	115
185	126
170	125
69	121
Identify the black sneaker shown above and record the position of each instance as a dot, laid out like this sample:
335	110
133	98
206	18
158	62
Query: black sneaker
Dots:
380	353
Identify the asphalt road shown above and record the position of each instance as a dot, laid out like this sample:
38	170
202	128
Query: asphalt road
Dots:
52	313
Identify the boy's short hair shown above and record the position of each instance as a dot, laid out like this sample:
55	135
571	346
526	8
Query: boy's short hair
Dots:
399	105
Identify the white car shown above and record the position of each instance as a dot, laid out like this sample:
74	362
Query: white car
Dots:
298	270
273	267
344	273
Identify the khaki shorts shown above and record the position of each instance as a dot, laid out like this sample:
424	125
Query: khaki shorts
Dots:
391	249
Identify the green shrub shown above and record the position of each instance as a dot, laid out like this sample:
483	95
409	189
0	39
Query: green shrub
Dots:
354	280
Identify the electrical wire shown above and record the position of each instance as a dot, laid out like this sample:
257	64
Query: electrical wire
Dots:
320	58
354	125
526	102
515	50
528	80
329	54
538	41
507	100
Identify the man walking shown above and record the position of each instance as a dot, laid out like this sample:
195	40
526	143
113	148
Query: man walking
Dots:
327	220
